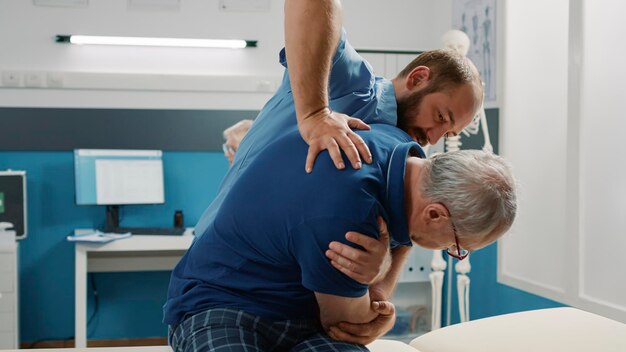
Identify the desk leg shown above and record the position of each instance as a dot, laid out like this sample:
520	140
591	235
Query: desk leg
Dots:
80	324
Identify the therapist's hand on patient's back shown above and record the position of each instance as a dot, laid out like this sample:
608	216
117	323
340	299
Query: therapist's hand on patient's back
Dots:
368	266
329	130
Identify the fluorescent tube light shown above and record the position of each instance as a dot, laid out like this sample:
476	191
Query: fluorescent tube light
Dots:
145	41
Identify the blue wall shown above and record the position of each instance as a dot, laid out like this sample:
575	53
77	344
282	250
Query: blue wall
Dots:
130	303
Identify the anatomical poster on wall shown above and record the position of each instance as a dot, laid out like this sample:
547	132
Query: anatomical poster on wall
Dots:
477	18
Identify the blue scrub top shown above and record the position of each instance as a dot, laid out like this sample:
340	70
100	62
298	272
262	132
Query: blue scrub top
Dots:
353	90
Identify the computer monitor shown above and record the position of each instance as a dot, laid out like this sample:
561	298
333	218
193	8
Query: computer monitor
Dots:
13	201
115	177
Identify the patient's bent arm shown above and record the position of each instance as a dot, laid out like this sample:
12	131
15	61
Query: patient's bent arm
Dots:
335	309
384	288
368	332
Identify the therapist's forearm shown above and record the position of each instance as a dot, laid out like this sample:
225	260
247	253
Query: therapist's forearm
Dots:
312	30
384	288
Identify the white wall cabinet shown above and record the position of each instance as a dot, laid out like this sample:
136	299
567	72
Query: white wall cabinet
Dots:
413	296
9	327
388	65
417	267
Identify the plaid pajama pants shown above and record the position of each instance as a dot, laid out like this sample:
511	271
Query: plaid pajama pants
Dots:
229	330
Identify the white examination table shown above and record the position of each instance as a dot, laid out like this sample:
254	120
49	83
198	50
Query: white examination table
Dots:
556	329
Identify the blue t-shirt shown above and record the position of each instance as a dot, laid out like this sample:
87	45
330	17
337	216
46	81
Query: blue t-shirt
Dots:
264	251
260	244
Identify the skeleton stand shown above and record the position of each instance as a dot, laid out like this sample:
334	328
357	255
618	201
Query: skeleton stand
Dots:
463	267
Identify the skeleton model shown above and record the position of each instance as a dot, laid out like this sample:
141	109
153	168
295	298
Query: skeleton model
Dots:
460	42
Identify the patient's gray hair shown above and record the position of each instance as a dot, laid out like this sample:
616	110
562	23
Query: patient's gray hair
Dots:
477	187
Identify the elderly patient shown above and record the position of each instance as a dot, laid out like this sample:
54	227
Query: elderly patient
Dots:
258	279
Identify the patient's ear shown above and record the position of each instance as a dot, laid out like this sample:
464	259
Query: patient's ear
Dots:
436	215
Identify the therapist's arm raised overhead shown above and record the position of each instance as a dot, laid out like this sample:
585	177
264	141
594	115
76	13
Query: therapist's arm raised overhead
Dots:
312	31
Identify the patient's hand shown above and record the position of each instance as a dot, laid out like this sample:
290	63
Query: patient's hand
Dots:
366	267
368	332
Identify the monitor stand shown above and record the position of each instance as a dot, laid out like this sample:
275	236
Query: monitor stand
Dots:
112	218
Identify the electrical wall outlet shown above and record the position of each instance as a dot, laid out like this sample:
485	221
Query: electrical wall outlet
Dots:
34	79
55	79
11	78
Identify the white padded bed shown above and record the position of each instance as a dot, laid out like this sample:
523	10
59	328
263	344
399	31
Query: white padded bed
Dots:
545	330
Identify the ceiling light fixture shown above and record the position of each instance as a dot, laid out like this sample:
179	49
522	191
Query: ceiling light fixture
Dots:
147	41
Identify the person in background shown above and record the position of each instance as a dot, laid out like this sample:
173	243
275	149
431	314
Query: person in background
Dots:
233	136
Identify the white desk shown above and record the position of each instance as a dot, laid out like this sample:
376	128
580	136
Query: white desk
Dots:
136	253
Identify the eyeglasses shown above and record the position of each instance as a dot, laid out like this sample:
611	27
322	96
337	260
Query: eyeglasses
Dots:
456	250
228	150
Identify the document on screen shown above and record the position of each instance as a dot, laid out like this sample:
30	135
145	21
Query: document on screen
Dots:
129	181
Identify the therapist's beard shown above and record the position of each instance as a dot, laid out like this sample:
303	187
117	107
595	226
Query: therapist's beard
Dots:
408	110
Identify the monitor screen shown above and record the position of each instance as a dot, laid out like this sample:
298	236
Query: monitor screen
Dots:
117	177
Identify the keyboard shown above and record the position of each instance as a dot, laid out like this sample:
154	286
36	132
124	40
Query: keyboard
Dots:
157	231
